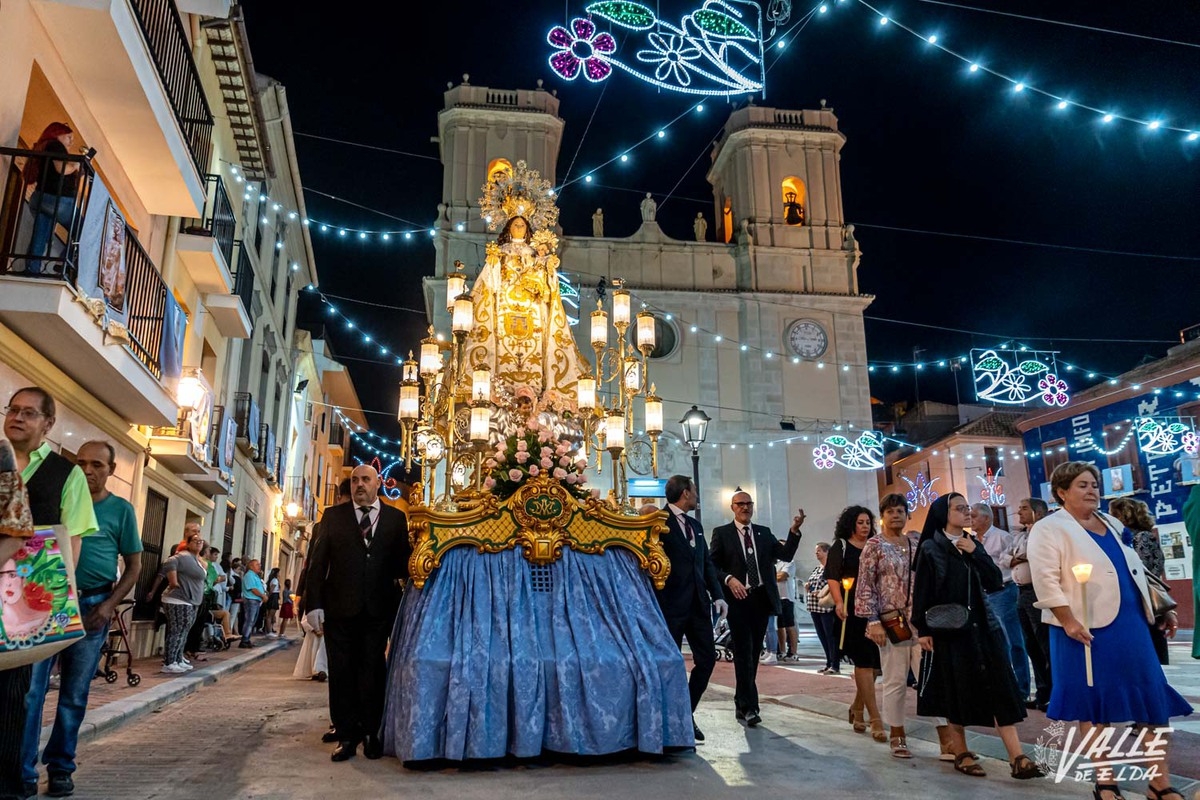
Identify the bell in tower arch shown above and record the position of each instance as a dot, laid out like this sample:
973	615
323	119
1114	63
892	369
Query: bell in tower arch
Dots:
793	212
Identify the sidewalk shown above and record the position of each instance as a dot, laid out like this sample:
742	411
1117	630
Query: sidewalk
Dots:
798	685
113	704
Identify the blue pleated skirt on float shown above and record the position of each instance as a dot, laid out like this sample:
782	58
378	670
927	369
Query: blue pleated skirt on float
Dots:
1129	682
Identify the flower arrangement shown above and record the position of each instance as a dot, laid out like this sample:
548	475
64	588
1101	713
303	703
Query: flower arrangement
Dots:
533	450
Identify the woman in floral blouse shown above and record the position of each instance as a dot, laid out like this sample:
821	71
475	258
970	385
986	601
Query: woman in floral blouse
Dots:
1141	534
885	580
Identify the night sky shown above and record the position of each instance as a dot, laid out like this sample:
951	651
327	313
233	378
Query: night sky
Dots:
930	147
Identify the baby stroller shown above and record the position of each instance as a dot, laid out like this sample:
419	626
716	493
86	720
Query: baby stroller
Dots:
118	645
723	640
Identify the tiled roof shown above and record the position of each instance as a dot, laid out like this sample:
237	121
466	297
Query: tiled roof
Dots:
994	423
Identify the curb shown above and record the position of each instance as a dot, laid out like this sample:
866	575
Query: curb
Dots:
112	715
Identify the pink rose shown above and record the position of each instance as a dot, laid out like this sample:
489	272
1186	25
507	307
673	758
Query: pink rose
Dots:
564	462
543	434
562	449
489	483
522	457
547	463
560	473
534	471
490	463
546	452
515	474
596	493
572	478
522	446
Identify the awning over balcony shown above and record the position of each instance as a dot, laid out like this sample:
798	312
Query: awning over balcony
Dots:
229	315
158	125
47	315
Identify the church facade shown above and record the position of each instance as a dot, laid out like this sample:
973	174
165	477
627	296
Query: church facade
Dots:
762	328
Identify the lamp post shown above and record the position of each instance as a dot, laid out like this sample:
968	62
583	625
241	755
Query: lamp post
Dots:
695	429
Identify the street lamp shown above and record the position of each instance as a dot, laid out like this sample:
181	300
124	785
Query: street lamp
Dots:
695	429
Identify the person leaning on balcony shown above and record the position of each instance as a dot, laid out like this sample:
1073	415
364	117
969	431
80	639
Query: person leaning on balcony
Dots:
100	590
58	495
1127	681
55	185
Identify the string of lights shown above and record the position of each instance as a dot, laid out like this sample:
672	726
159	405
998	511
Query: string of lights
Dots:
1060	103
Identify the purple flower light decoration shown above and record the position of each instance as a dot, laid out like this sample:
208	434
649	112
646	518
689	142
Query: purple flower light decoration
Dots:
1191	443
1054	390
824	457
581	49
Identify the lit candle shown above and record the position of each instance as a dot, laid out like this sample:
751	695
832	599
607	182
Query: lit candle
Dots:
614	430
464	315
654	413
410	401
1083	573
620	307
585	393
645	331
599	327
846	584
481	382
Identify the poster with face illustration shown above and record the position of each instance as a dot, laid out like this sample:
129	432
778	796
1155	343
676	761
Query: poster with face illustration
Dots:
39	612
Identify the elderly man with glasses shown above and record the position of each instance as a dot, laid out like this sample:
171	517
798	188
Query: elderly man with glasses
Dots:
745	555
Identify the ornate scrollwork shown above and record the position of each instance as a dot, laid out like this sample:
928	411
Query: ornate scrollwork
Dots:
541	518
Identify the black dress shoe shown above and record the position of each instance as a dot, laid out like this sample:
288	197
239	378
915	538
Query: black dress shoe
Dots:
330	736
372	747
345	751
752	719
697	734
740	715
61	785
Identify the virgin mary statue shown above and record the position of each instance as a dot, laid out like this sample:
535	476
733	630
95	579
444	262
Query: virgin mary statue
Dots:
521	330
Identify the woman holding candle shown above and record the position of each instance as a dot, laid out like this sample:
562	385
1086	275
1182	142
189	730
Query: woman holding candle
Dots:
854	527
966	675
1128	684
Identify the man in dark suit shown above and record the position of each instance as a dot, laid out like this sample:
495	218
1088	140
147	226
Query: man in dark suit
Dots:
356	574
745	556
685	599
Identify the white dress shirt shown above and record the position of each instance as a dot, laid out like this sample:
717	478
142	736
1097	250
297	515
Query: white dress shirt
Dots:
684	523
374	507
998	545
751	559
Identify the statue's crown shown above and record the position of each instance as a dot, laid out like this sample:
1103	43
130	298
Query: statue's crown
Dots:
520	192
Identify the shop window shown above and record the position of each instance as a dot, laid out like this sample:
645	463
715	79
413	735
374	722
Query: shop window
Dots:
795	201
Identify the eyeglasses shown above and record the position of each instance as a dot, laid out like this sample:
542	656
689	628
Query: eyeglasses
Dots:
745	503
23	413
961	509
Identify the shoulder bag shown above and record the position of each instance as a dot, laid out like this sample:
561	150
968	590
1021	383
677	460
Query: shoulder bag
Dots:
1160	593
895	624
950	617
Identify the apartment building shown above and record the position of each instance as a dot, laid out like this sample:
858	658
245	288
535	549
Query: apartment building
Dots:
150	262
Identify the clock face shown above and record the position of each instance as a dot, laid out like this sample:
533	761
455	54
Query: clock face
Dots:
807	338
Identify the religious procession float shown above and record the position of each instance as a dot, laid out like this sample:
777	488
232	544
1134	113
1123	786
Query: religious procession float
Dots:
531	624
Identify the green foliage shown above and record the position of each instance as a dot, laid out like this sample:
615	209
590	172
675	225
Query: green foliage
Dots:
634	16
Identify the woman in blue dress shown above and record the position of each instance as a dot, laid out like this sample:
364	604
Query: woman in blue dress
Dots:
1128	684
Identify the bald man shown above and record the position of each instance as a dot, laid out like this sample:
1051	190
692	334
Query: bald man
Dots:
356	574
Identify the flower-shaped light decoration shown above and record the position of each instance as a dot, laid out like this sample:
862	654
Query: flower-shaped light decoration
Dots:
1191	443
581	49
1054	390
670	57
824	457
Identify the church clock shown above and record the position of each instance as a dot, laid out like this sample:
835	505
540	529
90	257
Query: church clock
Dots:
807	338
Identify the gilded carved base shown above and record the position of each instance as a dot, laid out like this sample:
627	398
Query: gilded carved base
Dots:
541	518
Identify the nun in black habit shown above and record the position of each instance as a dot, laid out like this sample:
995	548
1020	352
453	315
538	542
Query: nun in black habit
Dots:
966	676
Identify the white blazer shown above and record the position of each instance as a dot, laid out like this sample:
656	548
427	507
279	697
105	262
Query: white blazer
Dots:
1057	543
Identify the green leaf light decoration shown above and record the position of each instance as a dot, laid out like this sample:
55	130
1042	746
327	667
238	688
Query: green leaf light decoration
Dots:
1032	367
634	16
721	24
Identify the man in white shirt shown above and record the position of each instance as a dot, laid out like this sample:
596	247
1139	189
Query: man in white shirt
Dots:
1003	603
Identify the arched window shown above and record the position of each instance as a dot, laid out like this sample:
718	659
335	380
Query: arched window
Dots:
795	201
727	219
499	165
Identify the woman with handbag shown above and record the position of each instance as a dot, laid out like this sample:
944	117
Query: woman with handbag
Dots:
819	603
1128	683
852	530
966	675
1141	534
883	597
